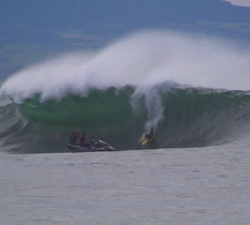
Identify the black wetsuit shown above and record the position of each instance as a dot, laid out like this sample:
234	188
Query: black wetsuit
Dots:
150	134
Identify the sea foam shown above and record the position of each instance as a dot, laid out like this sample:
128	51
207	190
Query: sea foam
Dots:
142	60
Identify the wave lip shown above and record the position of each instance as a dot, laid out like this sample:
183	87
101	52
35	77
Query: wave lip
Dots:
142	59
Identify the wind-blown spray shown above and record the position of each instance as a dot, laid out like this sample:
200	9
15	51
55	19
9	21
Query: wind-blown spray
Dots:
157	79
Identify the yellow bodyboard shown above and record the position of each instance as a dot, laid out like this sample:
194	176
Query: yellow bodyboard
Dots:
146	141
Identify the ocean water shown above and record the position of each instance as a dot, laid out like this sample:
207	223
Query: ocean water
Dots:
165	186
194	92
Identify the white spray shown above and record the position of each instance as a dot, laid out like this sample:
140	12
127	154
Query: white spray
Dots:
142	60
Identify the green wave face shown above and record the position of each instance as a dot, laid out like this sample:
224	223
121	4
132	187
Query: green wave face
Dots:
98	109
182	117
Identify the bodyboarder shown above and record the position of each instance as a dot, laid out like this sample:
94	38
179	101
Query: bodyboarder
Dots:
150	134
147	137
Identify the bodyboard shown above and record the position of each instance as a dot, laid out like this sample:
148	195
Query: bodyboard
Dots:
146	141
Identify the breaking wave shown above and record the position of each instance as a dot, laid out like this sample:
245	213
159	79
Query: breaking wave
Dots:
192	90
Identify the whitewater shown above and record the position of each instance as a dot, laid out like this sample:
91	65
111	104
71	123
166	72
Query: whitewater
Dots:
194	91
191	89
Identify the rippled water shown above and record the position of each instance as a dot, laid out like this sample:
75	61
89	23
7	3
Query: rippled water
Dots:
168	186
